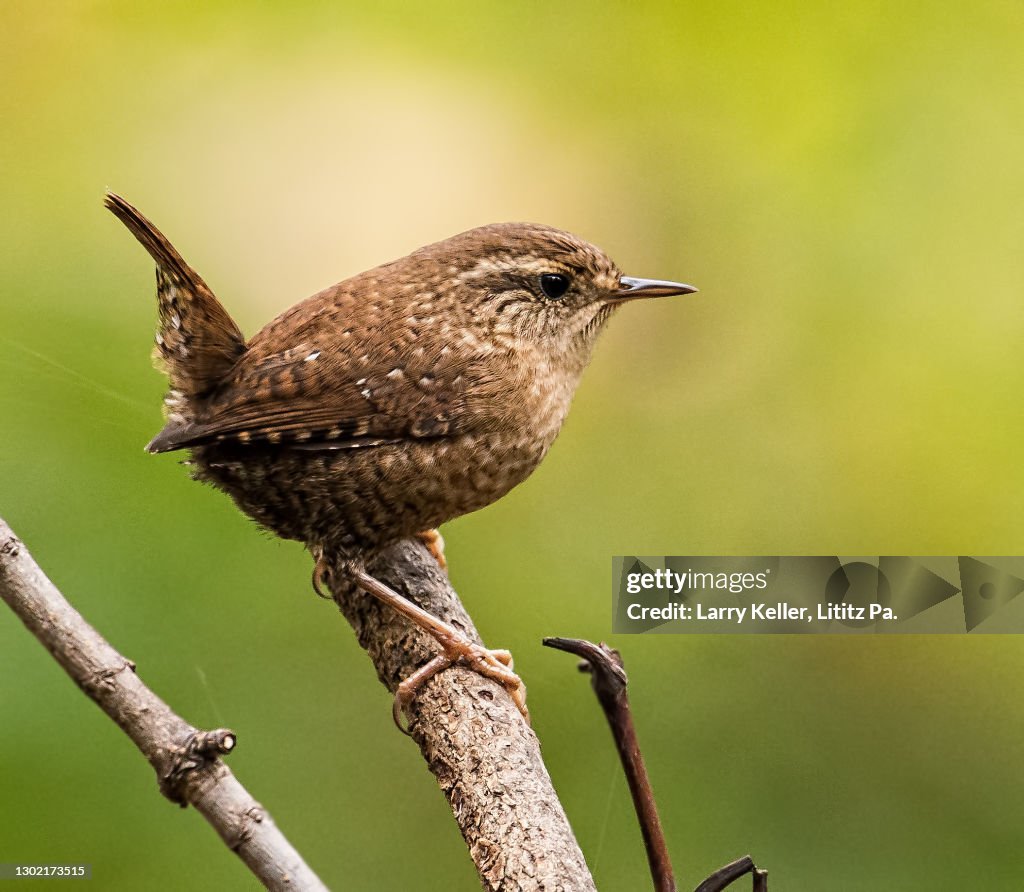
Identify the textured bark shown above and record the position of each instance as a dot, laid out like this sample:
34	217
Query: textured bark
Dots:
185	758
485	757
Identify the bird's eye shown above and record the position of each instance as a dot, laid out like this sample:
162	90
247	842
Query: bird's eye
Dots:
554	285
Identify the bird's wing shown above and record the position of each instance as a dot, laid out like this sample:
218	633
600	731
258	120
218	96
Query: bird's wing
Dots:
329	390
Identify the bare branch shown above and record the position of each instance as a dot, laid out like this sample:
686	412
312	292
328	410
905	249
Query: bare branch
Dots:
185	759
608	678
485	757
609	681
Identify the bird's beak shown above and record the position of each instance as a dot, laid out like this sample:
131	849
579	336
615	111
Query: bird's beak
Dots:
630	289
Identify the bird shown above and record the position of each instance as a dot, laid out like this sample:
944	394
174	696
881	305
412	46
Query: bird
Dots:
396	400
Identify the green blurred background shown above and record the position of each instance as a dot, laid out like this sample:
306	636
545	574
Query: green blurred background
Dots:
845	185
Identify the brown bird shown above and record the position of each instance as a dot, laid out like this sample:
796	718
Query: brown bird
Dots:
389	403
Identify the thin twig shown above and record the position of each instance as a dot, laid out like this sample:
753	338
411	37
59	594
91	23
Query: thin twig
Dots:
608	678
185	758
727	875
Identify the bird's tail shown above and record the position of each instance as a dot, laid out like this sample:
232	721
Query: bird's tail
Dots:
197	342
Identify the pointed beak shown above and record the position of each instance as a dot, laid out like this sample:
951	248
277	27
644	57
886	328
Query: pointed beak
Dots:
635	288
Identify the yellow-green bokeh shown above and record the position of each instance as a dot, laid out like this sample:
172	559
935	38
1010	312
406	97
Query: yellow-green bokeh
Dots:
845	185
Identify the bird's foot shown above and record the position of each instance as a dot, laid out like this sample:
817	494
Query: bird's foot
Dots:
322	572
435	545
457	649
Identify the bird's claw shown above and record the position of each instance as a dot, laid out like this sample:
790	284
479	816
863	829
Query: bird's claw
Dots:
455	648
321	578
493	664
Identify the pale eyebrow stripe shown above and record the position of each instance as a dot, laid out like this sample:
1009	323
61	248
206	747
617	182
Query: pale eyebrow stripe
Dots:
529	263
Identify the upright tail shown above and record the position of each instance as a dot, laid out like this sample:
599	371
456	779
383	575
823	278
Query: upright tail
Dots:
197	341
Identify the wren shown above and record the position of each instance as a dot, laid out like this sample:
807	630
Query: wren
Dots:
389	403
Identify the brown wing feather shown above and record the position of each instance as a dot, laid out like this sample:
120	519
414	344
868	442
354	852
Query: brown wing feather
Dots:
312	381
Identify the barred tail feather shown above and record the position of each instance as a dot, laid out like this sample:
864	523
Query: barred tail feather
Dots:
197	342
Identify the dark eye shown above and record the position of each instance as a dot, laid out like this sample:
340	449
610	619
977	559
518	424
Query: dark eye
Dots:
554	285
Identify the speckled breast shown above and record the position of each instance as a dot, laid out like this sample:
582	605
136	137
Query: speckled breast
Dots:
356	500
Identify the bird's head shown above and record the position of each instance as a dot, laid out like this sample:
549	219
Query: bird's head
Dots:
535	284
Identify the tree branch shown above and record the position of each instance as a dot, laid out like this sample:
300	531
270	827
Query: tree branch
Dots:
473	738
186	759
475	742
